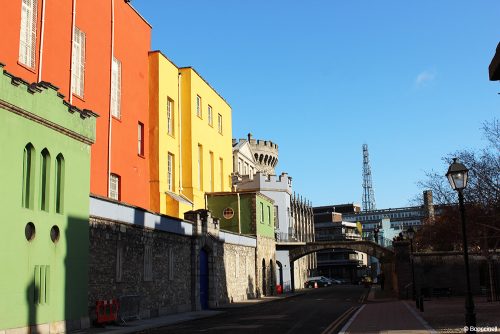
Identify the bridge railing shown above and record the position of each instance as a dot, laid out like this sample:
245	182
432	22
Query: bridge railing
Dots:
384	242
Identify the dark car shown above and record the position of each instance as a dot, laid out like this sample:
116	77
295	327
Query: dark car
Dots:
317	282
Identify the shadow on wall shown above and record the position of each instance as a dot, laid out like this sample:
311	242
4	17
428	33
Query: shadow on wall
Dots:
31	292
250	288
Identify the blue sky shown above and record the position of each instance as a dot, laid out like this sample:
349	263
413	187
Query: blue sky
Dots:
321	78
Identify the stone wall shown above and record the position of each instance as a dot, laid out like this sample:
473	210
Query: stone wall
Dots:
117	267
265	264
239	264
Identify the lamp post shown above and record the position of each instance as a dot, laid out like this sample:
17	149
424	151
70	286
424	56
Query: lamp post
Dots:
457	176
410	232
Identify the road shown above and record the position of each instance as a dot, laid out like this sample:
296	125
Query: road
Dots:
315	311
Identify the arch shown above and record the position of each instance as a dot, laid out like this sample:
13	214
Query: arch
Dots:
59	183
261	157
204	278
256	156
264	277
45	180
279	268
28	175
272	281
364	246
265	159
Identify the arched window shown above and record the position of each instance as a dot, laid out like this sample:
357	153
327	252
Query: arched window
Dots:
45	180
59	183
28	176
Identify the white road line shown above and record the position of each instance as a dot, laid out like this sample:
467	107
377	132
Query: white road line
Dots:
343	330
420	319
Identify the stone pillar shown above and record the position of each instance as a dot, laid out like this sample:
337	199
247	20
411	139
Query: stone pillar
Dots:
402	266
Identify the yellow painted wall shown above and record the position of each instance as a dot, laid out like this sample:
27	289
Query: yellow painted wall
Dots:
198	131
189	131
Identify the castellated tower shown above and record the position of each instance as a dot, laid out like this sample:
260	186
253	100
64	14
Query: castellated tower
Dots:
265	154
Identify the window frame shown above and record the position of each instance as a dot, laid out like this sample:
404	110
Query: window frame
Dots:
116	75
28	35
199	111
170	171
210	116
140	139
78	63
117	178
219	123
170	116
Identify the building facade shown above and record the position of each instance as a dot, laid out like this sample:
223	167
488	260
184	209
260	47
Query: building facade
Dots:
191	135
45	187
99	63
250	213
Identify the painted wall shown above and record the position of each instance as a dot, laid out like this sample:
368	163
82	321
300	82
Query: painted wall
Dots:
132	39
249	218
46	278
197	131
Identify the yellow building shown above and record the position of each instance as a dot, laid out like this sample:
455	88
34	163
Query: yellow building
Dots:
191	150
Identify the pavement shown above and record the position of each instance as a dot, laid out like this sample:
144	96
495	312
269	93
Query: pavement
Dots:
167	320
384	313
381	312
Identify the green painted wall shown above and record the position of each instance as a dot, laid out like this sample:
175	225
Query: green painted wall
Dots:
252	221
61	266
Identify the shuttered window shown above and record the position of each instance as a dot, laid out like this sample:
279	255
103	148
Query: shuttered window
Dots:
27	38
78	63
114	187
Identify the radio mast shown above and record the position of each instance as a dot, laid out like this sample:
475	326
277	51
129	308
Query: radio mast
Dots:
368	196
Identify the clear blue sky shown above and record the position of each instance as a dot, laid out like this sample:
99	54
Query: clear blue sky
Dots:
320	78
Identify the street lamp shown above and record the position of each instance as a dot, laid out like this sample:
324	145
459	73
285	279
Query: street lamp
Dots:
410	233
457	176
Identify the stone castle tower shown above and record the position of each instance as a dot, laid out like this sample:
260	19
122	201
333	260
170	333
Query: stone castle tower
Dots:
265	154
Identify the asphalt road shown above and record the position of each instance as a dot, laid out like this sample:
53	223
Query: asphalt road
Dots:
321	310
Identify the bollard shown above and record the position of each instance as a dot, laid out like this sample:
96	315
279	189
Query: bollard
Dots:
421	304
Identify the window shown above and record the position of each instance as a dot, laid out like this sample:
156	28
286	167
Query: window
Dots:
27	38
219	124
200	167
170	116
78	63
221	167
41	284
198	106
45	181
59	183
262	212
211	171
140	139
116	79
148	263
210	117
28	176
170	168
114	187
269	215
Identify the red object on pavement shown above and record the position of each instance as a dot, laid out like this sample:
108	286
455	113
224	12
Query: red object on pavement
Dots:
107	311
279	289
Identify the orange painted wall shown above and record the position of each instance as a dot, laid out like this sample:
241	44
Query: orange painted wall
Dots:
132	43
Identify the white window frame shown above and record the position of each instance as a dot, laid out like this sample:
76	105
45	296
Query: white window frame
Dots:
170	128
78	63
210	116
198	106
114	187
116	79
219	124
27	34
170	166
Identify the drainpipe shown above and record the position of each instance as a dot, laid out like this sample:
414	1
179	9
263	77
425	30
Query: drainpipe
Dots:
179	110
110	121
40	61
73	20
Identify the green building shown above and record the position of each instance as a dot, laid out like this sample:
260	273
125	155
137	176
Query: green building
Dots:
45	185
244	212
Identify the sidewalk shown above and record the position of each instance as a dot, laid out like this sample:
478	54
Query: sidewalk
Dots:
145	324
384	313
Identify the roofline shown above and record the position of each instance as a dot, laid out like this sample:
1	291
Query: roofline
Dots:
209	85
142	17
242	192
161	53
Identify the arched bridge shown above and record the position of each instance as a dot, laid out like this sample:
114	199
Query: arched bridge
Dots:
369	247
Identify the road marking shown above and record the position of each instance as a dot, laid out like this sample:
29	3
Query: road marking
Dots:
343	330
420	319
331	328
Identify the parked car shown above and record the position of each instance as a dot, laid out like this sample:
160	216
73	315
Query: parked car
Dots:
319	281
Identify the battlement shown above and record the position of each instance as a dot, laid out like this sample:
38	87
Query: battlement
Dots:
43	103
263	181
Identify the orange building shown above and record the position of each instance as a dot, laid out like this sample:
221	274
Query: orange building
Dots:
96	53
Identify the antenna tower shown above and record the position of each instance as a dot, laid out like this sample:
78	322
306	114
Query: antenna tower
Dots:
368	196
